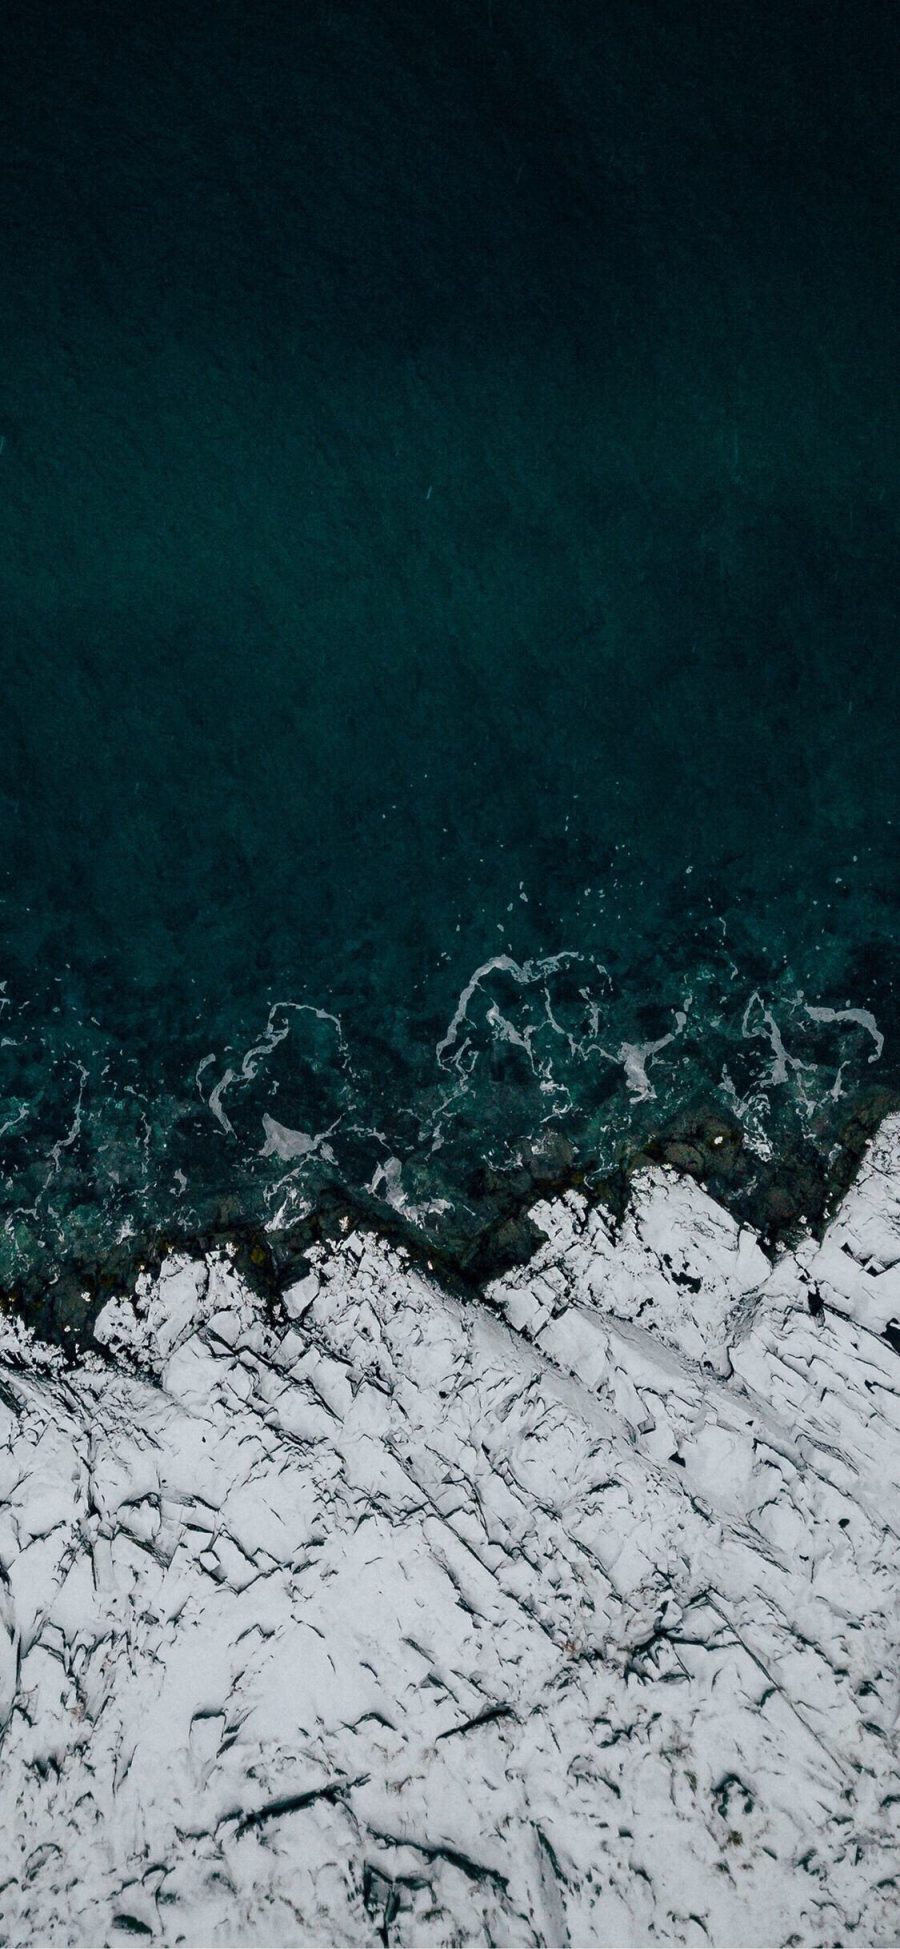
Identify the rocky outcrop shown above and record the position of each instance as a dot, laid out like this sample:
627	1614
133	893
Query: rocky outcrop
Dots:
563	1615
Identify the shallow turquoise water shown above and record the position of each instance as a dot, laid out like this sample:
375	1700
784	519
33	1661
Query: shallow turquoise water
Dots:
449	482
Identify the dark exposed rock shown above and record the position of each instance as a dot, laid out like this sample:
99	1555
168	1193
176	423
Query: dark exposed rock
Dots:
684	1157
781	1198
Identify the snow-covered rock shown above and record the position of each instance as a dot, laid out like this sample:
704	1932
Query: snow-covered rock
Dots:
565	1616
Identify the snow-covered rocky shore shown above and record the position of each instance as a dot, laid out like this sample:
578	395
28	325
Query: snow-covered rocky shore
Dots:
565	1616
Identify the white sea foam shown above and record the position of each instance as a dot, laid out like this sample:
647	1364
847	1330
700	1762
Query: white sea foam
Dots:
635	1056
525	974
863	1016
276	1032
280	1141
387	1183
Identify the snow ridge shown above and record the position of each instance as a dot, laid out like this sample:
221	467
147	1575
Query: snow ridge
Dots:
564	1617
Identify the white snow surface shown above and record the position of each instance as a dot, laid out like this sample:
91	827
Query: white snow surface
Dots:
565	1616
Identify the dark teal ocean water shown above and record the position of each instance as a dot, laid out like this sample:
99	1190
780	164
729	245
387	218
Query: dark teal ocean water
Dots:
448	592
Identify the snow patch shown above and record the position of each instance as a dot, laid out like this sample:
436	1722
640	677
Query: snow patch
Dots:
564	1616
